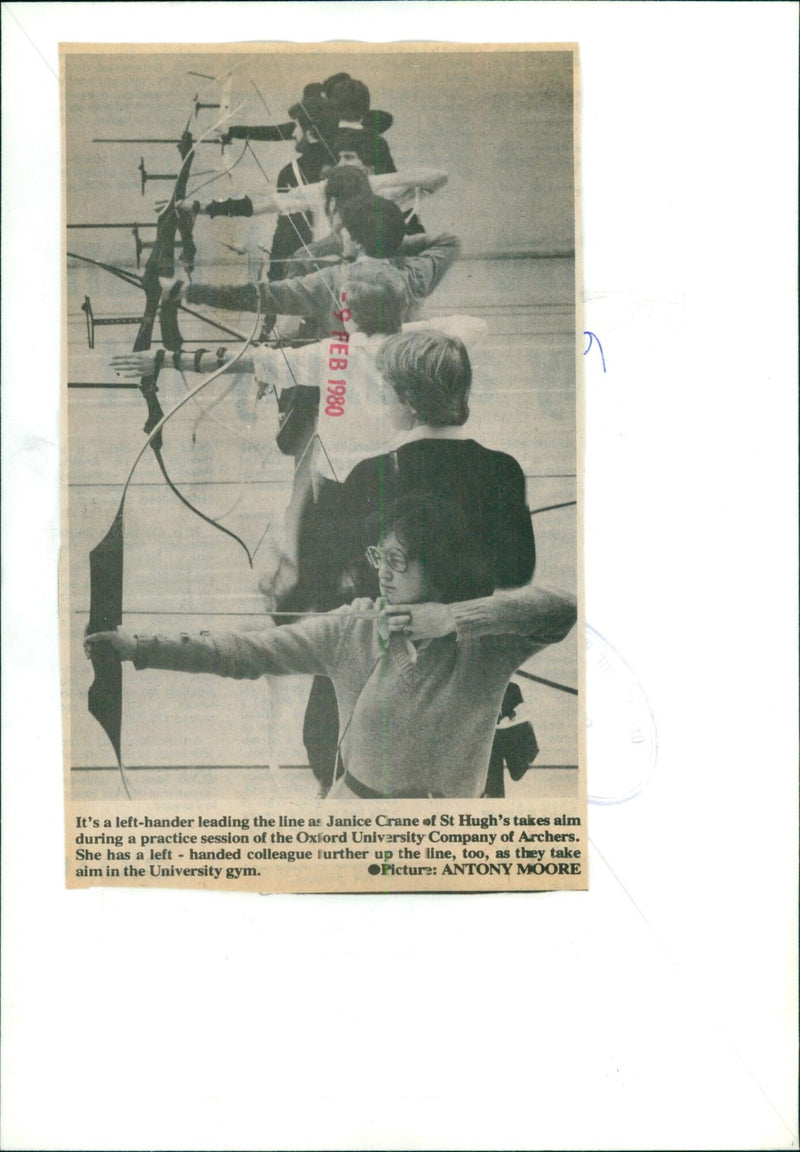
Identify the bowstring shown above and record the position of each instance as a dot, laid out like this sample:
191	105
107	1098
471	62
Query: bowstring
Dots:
226	171
207	414
303	243
192	394
184	400
316	438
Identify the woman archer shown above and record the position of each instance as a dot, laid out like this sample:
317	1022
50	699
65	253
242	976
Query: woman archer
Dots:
419	674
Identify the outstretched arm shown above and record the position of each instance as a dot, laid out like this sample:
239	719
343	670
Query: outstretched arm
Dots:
131	364
309	197
307	648
289	297
272	368
393	185
310	647
305	198
269	132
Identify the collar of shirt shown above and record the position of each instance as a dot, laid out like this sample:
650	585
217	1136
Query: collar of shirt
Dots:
414	647
428	432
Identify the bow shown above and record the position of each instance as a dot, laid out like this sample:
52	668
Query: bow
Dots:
161	262
137	281
106	560
106	567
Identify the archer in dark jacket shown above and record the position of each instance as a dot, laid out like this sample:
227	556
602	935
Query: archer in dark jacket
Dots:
430	377
317	121
485	488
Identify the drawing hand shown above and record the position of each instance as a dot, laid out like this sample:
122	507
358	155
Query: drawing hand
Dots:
421	621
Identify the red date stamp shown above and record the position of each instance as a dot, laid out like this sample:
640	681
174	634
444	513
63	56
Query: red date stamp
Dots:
337	363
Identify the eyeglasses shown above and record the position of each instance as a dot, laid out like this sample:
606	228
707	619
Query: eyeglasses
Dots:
394	557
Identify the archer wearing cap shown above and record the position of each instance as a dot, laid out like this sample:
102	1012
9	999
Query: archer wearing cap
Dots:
316	123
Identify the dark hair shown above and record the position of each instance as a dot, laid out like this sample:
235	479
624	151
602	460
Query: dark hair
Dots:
316	115
328	85
351	98
376	307
376	224
431	373
365	145
346	182
313	92
438	534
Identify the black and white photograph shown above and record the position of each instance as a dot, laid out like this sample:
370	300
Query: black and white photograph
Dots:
322	457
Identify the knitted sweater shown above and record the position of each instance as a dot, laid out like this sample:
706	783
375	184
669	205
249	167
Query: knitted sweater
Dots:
416	720
319	294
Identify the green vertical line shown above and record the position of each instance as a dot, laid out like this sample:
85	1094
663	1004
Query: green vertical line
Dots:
384	644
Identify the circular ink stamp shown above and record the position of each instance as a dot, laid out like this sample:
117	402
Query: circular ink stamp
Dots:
621	737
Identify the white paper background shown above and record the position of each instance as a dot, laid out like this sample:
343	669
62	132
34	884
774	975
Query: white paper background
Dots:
656	1011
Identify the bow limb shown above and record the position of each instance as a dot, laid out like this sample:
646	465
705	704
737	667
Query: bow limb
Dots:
106	566
155	432
226	169
162	264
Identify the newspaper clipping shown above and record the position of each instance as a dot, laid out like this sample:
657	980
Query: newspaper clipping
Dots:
321	568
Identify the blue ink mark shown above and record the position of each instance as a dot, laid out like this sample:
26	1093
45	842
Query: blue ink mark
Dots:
588	347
